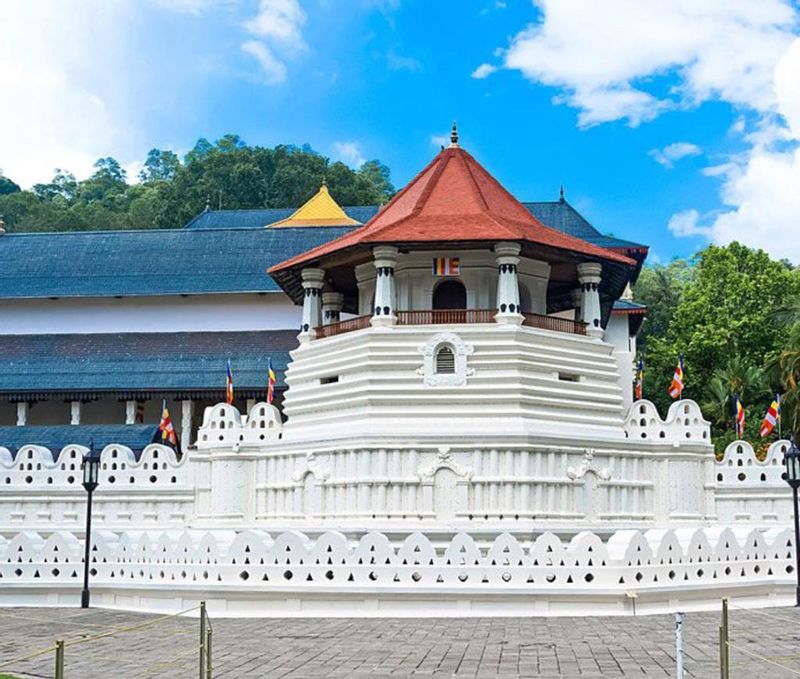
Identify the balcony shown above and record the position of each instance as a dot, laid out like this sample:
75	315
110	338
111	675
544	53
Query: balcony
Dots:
455	317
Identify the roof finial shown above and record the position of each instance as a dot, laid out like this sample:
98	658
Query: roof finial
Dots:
561	194
2	226
208	204
454	136
324	180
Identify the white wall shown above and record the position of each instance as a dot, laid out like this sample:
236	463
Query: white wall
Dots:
271	311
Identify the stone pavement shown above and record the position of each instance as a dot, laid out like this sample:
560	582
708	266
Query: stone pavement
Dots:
477	647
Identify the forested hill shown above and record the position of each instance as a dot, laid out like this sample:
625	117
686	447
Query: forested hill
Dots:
228	174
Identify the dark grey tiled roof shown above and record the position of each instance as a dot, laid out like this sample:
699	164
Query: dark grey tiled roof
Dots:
254	219
149	262
134	436
135	363
219	252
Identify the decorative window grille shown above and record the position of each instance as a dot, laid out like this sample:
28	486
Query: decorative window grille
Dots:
445	361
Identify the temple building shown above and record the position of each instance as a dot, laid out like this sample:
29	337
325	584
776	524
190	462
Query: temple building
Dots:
100	327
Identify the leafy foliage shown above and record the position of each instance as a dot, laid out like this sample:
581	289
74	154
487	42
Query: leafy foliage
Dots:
228	174
724	325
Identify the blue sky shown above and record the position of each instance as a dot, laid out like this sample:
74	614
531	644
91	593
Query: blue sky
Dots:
670	122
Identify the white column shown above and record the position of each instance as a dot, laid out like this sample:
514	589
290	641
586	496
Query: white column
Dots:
385	260
75	412
187	410
332	303
313	280
130	412
508	310
22	413
589	276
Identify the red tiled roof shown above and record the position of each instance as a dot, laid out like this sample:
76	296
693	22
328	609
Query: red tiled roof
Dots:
454	199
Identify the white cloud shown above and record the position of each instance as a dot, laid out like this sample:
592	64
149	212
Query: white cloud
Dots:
603	55
672	153
483	71
278	29
195	7
349	152
633	59
397	62
273	70
63	103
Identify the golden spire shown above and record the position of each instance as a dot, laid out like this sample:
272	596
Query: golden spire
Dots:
320	210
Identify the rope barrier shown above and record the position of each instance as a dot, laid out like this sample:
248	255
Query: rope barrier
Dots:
764	659
20	658
130	628
757	611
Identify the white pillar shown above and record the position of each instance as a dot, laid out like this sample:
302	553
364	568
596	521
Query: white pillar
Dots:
22	413
385	260
75	412
130	412
313	280
508	310
187	410
589	276
332	303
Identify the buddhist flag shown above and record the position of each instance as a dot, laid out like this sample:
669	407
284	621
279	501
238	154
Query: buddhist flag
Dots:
270	381
165	434
738	414
676	386
772	417
446	266
638	388
229	385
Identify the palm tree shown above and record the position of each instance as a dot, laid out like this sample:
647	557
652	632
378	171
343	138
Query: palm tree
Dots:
785	369
737	376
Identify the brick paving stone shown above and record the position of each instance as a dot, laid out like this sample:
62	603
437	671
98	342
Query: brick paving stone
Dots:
499	648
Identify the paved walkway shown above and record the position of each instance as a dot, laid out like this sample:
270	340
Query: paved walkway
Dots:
291	648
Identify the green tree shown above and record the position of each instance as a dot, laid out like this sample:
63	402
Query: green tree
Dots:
660	287
159	166
725	311
7	186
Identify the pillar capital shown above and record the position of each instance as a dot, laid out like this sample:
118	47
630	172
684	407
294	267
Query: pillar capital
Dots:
589	272
332	303
313	281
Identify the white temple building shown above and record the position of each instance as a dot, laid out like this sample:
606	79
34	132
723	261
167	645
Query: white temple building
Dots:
456	437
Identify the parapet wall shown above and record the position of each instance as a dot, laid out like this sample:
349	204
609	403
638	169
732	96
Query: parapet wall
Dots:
41	490
289	574
749	489
684	423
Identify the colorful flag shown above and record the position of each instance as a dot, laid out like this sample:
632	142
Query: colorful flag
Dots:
772	417
165	434
676	386
229	385
738	412
446	266
638	388
270	381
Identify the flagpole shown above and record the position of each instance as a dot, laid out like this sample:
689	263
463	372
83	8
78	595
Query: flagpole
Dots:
780	417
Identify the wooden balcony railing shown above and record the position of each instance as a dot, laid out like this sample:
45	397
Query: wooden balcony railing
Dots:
454	317
445	316
554	323
349	325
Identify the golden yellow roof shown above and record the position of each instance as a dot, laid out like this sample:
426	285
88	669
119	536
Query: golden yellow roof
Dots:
319	210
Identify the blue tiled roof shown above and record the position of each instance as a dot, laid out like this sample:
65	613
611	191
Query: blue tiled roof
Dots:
149	262
134	436
130	363
628	305
559	214
254	219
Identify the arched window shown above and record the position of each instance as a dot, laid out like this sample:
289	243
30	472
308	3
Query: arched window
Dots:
445	360
450	294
